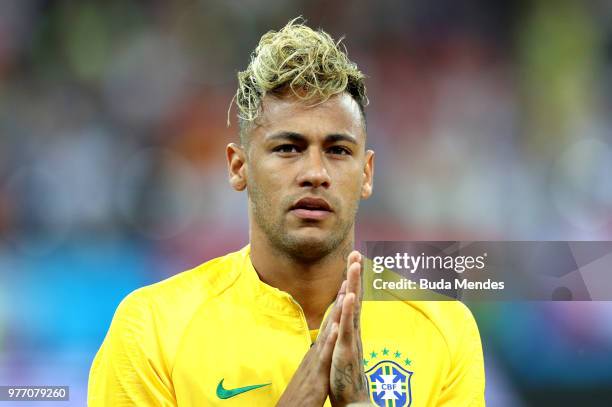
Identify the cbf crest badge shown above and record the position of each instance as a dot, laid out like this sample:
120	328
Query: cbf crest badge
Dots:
388	378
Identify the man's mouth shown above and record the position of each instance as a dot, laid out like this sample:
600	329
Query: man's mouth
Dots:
310	208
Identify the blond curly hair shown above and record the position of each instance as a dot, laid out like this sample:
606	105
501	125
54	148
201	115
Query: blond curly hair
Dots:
298	59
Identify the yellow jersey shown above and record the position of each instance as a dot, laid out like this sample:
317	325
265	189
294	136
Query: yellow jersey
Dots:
218	335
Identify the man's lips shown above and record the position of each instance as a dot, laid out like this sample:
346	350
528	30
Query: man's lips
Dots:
311	208
311	214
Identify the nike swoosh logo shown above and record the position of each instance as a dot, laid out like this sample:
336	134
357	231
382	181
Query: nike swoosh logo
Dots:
227	393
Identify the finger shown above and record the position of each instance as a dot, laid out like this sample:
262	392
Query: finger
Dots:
346	328
338	300
359	289
327	350
332	318
333	315
358	299
353	277
357	321
353	257
341	294
323	334
354	285
342	290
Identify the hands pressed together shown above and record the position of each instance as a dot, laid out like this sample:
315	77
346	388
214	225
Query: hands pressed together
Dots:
333	365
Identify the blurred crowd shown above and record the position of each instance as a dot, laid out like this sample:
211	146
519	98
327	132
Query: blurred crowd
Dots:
490	121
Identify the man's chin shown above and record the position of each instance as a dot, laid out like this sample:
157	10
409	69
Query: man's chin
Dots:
311	236
310	245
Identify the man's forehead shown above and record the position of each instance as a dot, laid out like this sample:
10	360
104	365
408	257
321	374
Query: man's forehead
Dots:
339	114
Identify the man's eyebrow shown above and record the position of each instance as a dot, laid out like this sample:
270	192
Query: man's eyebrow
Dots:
286	135
297	137
333	138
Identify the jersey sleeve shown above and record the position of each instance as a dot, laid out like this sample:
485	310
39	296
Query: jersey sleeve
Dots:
465	383
128	369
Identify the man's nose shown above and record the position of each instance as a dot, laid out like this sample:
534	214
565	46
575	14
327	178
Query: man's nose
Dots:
314	172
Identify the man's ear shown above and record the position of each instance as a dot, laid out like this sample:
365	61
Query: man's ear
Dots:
368	175
236	165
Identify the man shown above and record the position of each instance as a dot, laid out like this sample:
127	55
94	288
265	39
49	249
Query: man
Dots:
281	322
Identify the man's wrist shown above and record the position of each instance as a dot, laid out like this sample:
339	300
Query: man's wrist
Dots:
358	400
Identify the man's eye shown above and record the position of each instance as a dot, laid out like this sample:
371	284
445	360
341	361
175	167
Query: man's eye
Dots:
286	148
339	150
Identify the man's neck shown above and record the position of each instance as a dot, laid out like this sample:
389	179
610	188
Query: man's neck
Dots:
313	285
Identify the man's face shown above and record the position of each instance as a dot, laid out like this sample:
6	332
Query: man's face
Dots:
306	170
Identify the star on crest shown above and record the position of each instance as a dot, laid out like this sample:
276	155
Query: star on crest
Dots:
387	352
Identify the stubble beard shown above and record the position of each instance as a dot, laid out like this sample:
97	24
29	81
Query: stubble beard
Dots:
302	249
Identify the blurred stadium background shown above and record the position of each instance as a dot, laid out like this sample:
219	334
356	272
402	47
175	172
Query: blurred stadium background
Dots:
491	121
